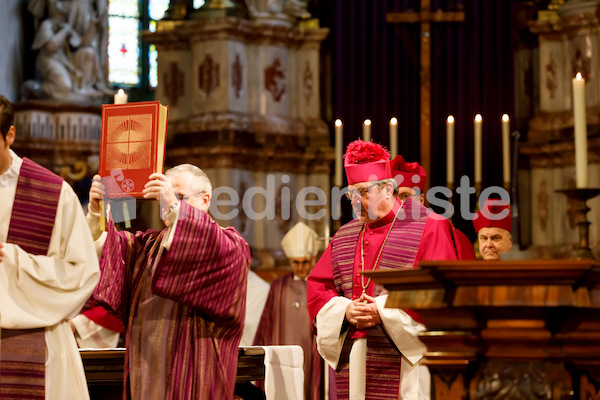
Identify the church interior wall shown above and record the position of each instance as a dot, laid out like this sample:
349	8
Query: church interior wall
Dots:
13	48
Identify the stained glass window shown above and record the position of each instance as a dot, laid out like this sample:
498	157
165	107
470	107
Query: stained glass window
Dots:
128	56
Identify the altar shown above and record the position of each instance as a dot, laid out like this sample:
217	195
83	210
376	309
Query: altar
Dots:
104	370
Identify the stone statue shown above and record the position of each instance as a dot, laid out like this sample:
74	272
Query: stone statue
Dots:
69	52
278	12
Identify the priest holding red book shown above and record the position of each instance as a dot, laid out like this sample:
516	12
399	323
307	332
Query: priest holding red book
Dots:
180	292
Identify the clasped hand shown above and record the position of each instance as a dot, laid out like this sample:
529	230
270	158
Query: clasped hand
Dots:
363	313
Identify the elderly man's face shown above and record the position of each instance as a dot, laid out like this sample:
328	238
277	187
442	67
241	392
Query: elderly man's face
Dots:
183	185
370	200
494	241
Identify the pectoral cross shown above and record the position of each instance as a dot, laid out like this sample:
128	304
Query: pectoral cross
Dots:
425	17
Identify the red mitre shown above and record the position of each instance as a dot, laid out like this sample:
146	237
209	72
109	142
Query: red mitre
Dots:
366	161
489	216
408	174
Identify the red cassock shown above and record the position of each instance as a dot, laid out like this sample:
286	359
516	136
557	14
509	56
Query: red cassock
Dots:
412	237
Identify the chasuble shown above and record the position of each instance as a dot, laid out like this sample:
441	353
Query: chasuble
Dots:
181	294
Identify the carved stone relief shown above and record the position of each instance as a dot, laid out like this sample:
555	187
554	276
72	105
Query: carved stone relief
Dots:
208	75
275	80
174	81
542	206
551	79
307	83
237	69
527	380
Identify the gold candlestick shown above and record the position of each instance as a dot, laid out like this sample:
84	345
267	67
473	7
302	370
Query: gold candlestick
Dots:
582	195
451	198
477	194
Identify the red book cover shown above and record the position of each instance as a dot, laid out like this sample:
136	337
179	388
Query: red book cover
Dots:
132	146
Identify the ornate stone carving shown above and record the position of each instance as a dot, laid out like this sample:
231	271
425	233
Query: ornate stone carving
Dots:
253	110
71	42
237	76
528	380
208	75
174	81
307	82
543	209
551	83
275	79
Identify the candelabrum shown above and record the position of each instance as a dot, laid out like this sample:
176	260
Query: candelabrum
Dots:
582	195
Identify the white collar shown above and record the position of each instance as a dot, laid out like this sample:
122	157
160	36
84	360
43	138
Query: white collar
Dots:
11	175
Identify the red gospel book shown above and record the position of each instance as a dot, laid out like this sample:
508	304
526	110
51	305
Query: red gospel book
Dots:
132	146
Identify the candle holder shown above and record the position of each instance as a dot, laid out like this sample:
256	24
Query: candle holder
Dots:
477	194
451	198
582	195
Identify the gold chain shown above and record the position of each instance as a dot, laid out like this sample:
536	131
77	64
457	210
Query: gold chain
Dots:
362	252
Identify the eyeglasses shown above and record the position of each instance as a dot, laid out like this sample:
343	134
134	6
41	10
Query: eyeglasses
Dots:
181	196
403	196
362	192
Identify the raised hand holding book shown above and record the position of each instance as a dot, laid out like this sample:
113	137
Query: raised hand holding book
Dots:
132	146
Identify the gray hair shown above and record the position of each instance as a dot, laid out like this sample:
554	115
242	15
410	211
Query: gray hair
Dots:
384	182
200	183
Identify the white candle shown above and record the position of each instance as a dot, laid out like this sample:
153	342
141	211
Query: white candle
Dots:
477	125
450	151
393	137
367	130
580	131
506	149
339	138
121	97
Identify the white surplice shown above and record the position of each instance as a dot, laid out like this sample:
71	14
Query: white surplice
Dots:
44	291
401	329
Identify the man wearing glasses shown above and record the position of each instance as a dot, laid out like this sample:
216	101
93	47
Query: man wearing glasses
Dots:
180	292
375	351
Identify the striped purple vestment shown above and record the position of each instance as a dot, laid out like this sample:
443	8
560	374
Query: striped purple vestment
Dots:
400	251
23	352
183	308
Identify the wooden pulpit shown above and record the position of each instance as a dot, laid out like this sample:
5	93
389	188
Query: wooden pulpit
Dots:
505	329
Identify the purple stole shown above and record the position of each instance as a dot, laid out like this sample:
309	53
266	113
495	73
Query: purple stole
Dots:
23	351
400	251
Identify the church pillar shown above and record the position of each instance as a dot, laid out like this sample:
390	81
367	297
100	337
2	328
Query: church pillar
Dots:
243	99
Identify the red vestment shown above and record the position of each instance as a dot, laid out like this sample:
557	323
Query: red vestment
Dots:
412	238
